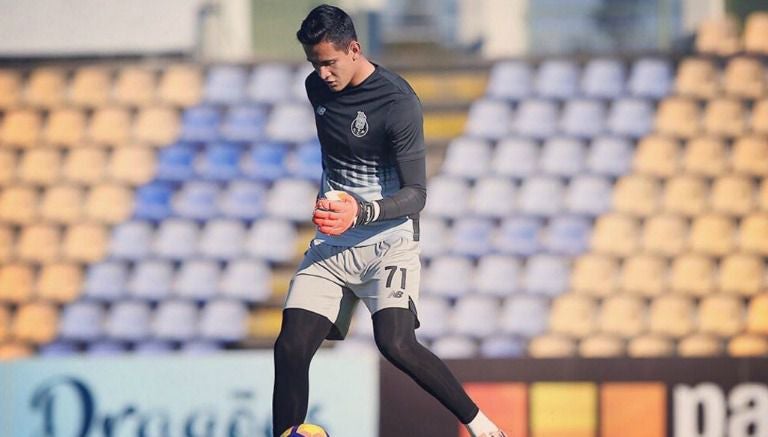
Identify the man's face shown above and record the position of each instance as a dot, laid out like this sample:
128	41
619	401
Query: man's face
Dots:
335	66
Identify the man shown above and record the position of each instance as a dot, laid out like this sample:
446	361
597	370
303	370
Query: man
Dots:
369	123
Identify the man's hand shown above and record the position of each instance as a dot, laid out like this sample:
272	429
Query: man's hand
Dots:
334	217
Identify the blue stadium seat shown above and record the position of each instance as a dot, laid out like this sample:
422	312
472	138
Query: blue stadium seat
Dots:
265	162
511	80
541	196
449	276
651	78
196	200
153	348
225	84
106	281
176	162
546	274
497	275
518	236
106	348
291	122
489	119
515	157
58	349
222	239
82	321
493	197
468	158
131	240
582	118
272	239
219	161
536	118
557	79
196	279
562	156
200	124
244	124
448	197
471	236
567	235
305	161
434	313
610	156
589	195
176	239
434	236
243	200
603	78
524	315
151	280
270	83
153	201
502	346
455	347
631	117
200	347
175	320
128	321
223	320
471	308
249	280
292	199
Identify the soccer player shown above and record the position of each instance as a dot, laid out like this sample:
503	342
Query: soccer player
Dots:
369	123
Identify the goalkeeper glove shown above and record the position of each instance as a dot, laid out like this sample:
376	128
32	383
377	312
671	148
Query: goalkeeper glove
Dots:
334	217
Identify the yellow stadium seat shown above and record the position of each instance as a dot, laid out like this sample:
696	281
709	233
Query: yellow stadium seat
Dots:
718	36
551	346
750	156
725	117
264	323
91	86
572	315
62	204
110	126
733	195
5	323
601	346
759	119
40	166
700	345
181	85
46	87
594	274
60	282
705	156
649	346
697	77
85	242
135	86
6	243
10	89
8	163
39	243
280	284
132	165
18	204
685	195
672	316
65	127
741	274
658	156
753	234
721	315
756	33
644	275
21	127
744	77
16	283
678	117
693	274
14	351
712	234
636	195
665	235
748	345
623	316
157	125
757	314
85	165
762	195
35	322
615	234
109	203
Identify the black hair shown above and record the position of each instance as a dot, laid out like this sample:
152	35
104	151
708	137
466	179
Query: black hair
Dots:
327	23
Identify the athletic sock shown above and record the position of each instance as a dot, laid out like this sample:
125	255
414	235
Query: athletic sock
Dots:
481	424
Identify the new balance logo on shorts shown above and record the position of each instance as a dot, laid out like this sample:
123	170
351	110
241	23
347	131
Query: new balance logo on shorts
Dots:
397	294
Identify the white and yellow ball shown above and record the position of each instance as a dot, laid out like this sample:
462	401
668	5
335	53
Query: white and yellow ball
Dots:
305	430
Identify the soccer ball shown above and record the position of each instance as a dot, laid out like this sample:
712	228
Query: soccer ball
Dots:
305	430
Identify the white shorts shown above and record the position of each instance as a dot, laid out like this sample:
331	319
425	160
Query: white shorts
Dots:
332	279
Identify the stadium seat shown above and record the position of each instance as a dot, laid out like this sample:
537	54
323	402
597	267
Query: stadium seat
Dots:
38	243
631	117
610	156
759	117
678	117
524	316
583	118
46	87
196	279
749	156
21	128
753	234
109	203
434	314
218	161
85	242
128	321
15	350
732	195
135	86
493	197
6	243
39	166
471	236
518	236
588	195
291	199
175	162
665	235
536	118
748	345
567	235
270	83
705	156
721	315
551	346
497	275
433	236
85	165
725	117
756	33
305	161
557	79
467	157
181	85
176	238
272	239
692	274
489	119
562	156
243	200
546	274
510	80
700	345
152	348
65	127
62	204
650	346
615	234
106	281
5	323
636	195
718	36
225	85
265	161
82	321
603	78
106	348
153	201
200	347
175	320
762	195
448	276
594	274
573	315
222	239
132	165
744	78
541	196
697	78
471	308
264	323
223	320
156	125
245	123
672	316
291	122
644	275
11	89
35	322
712	234
444	192
60	282
741	274
200	124
657	156
515	157
131	240
150	280
19	204
685	195
247	280
196	200
623	316
757	315
8	164
91	86
455	347
601	346
298	90
16	283
501	346
650	77
110	125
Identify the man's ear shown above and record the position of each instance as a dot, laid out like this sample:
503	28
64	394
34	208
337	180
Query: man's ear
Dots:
356	49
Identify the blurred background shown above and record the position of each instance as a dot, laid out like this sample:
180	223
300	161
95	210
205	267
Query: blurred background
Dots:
598	198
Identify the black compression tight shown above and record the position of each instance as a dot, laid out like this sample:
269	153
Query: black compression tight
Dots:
303	331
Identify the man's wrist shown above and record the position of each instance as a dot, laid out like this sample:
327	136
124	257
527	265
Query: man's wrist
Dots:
367	212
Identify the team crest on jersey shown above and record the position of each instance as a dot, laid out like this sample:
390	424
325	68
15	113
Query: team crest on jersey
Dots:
360	125
320	110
